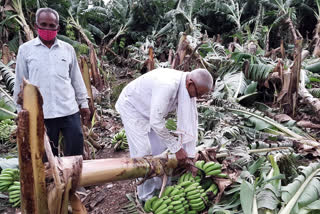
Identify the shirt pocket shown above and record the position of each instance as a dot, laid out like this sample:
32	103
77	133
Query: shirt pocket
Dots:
62	65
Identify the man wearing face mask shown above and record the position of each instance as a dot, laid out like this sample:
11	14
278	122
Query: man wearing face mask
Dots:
51	65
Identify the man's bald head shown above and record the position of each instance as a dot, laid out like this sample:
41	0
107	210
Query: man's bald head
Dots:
201	80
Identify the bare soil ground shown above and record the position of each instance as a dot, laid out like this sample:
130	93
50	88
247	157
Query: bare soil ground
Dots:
108	198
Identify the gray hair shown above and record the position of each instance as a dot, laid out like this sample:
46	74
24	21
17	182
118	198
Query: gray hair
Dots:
46	10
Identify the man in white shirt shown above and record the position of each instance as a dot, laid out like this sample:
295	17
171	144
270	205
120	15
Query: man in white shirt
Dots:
51	65
146	101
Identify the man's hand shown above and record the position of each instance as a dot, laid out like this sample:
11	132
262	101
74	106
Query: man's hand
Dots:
85	115
181	155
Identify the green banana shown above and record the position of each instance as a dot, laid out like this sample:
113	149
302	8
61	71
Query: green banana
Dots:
222	175
147	205
164	211
212	188
5	178
193	192
197	178
192	212
17	203
215	191
14	192
13	187
213	167
167	201
181	210
174	192
157	203
177	207
199	207
175	203
200	164
170	207
214	172
190	197
185	183
195	201
192	187
207	165
13	200
160	208
181	179
168	190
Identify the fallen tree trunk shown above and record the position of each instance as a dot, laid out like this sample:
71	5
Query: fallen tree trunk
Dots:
311	101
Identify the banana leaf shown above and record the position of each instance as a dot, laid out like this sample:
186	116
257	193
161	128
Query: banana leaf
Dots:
231	85
7	106
303	191
247	198
258	72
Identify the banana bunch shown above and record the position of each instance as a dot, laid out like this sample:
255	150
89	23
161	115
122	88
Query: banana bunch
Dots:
172	201
186	197
7	177
211	168
119	141
195	195
14	194
6	128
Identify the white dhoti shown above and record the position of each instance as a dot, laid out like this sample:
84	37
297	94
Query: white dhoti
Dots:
146	142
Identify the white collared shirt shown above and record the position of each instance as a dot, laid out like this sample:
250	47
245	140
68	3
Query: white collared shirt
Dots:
150	98
56	72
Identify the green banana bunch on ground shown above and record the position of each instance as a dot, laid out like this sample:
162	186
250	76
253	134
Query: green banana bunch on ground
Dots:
186	197
14	194
119	141
210	168
6	128
7	178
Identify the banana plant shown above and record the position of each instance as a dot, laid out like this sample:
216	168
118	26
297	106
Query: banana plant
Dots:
302	195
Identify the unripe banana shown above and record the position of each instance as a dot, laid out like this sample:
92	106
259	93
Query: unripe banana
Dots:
178	206
185	183
197	195
160	208
168	190
181	210
193	192
214	172
207	165
17	203
195	201
157	203
213	167
147	205
164	211
181	179
192	187
174	192
222	175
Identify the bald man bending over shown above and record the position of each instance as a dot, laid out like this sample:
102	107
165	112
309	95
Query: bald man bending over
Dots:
146	101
